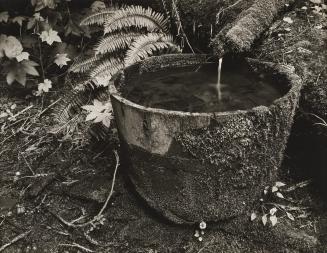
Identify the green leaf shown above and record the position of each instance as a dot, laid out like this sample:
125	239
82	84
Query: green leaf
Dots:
98	6
61	60
4	16
19	20
10	46
22	56
50	36
99	112
41	4
45	86
29	67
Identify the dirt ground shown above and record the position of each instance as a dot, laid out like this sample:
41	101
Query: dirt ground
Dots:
47	180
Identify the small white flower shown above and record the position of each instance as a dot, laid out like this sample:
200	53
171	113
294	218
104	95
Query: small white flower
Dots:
203	225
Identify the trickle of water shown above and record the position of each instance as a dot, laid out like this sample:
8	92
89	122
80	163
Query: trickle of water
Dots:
219	78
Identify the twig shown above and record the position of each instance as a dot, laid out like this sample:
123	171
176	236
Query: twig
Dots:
43	111
75	245
225	9
17	238
298	185
98	216
180	26
22	111
28	165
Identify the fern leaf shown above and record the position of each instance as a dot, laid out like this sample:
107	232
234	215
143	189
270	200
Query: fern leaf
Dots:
148	45
100	17
82	64
68	114
115	42
107	68
135	16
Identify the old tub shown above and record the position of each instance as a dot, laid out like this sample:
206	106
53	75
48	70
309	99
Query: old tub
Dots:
193	167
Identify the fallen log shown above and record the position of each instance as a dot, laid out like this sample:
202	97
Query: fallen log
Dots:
239	35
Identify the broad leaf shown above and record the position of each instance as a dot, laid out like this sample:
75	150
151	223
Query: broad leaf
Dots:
22	56
61	60
4	16
10	46
50	36
99	112
19	20
45	86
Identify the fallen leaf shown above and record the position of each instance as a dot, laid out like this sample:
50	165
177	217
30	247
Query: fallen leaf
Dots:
264	219
274	189
288	20
290	216
279	184
253	216
273	211
279	195
50	36
273	220
61	60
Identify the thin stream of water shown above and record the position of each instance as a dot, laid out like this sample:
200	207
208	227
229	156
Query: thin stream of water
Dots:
219	78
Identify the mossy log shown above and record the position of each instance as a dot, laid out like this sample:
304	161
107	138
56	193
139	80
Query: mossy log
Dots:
238	36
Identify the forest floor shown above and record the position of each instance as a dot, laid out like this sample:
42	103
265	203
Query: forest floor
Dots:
47	181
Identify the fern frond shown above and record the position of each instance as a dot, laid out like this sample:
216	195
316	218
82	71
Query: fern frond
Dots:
82	64
68	114
115	42
71	105
135	16
148	45
100	17
107	68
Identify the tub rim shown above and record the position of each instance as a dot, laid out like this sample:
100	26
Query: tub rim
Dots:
293	80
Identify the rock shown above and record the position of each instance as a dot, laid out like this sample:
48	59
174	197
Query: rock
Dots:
39	184
92	188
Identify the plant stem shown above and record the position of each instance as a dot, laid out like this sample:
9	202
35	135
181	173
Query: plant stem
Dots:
218	81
